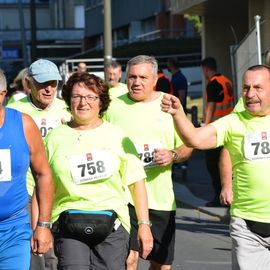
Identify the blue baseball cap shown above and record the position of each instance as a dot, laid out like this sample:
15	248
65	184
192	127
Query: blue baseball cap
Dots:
44	70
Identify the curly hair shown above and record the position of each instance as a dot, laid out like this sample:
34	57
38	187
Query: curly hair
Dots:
92	82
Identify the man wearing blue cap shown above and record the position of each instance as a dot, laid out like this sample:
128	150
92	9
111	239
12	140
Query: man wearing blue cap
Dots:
48	112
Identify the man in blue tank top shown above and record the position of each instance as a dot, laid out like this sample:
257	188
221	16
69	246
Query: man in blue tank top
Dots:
21	146
48	112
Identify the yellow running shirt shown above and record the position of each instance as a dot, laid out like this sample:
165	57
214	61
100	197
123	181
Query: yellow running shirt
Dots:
92	168
248	140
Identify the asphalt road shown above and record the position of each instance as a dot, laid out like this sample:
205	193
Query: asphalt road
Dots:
202	242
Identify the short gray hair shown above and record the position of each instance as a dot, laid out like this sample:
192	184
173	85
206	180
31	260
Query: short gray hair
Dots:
3	81
141	59
113	64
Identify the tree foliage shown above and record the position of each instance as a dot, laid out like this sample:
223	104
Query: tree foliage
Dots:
196	20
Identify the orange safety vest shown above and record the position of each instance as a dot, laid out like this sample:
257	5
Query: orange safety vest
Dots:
162	75
226	105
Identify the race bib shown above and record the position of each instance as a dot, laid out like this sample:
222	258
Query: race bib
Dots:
5	165
257	146
90	167
45	125
146	151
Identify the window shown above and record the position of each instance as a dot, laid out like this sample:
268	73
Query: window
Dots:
79	19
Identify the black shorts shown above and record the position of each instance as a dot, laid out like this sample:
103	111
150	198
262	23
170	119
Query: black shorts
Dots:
163	231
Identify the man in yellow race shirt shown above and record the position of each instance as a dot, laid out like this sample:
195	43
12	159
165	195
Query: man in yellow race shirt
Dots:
246	135
152	131
113	73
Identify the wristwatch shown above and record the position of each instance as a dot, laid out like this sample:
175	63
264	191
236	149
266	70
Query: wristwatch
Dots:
146	222
175	156
44	224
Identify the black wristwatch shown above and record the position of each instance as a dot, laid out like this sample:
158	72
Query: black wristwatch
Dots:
175	156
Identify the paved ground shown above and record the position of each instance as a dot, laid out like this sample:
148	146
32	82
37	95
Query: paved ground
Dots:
193	187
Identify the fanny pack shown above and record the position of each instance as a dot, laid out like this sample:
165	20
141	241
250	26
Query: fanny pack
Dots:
260	228
88	225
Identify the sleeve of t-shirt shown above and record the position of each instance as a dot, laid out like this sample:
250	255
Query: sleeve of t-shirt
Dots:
214	91
131	168
177	140
223	128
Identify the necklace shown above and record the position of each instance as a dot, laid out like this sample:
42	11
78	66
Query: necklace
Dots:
83	131
79	135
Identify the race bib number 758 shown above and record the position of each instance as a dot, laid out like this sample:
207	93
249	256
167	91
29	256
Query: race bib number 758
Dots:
90	167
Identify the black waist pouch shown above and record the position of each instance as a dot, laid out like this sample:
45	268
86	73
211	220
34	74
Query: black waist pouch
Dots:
87	225
260	228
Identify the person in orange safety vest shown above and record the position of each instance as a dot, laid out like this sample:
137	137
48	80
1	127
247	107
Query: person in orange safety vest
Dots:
219	102
163	83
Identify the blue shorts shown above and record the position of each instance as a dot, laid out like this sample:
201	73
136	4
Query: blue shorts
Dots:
15	247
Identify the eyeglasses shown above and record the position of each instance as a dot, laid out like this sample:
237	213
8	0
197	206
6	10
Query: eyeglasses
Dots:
88	98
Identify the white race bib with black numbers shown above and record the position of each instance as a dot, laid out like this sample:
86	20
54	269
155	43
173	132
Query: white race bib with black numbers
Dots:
5	165
146	152
257	146
45	125
90	167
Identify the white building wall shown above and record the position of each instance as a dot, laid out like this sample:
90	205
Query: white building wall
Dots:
217	45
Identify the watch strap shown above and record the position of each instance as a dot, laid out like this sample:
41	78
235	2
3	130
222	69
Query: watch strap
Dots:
175	156
44	224
146	222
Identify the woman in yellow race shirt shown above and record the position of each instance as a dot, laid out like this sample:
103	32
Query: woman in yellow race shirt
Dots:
93	162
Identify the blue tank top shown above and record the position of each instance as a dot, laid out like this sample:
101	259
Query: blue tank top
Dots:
14	162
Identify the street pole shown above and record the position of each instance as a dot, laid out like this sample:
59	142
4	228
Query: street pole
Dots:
107	31
258	36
